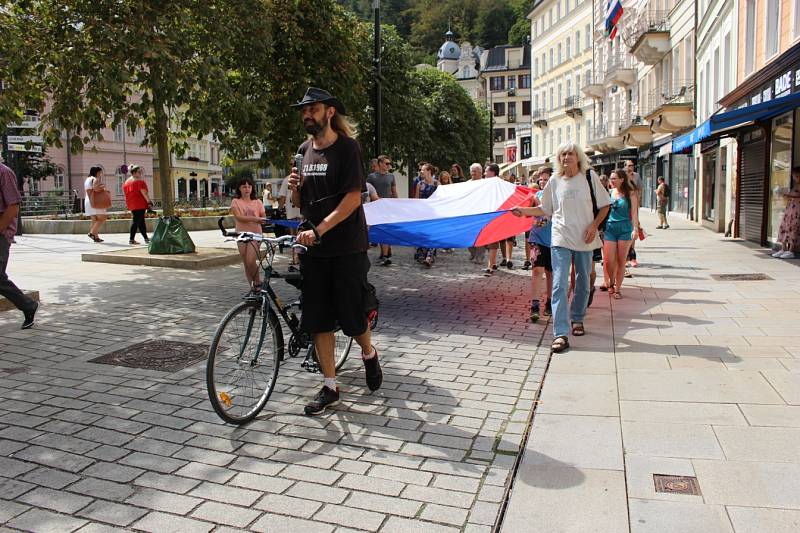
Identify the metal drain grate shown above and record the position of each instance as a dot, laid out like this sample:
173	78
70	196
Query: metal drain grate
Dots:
741	277
676	484
166	356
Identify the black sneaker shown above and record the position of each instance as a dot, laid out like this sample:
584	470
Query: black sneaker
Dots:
548	309
535	311
30	317
325	398
526	265
503	263
509	265
374	373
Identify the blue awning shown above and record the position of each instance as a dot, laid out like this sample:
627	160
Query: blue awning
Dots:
764	110
693	137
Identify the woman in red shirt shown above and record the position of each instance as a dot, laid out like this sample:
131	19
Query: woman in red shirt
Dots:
137	200
248	210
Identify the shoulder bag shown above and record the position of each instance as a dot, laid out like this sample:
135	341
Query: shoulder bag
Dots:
595	210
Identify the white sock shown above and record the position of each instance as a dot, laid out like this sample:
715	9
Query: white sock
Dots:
372	353
330	383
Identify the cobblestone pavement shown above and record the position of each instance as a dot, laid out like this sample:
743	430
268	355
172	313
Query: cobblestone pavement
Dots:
89	447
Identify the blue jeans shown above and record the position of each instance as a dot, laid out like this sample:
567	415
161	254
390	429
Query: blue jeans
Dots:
562	259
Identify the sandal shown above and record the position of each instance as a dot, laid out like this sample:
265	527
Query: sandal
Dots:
577	329
617	295
487	271
604	288
559	344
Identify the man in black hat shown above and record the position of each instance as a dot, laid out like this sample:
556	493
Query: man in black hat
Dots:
328	190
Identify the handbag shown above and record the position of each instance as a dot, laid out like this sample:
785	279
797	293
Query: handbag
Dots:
642	234
99	199
595	210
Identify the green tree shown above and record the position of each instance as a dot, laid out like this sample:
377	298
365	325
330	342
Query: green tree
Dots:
458	130
181	68
519	32
495	19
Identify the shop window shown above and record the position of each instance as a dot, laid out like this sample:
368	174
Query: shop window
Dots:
709	185
780	173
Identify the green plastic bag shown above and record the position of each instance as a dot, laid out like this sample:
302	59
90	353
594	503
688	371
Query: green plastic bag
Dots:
170	237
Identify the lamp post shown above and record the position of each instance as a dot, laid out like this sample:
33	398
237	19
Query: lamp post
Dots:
376	60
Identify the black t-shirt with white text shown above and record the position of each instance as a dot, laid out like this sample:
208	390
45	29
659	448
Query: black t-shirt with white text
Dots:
328	175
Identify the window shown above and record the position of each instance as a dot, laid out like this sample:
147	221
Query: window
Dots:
550	18
578	133
796	18
702	96
773	28
499	109
560	58
577	42
58	179
512	134
499	135
526	107
577	83
716	96
569	87
560	139
558	11
560	96
524	81
750	36
551	58
535	68
588	36
569	133
535	102
569	52
512	111
497	83
512	82
551	99
119	133
726	64
552	140
688	59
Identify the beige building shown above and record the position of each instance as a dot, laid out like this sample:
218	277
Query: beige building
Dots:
562	64
196	174
504	86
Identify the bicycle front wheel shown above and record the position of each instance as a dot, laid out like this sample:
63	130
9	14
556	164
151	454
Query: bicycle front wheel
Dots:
243	362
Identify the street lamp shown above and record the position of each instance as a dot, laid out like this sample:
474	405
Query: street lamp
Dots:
376	60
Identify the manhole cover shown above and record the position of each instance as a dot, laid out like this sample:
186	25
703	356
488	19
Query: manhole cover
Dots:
166	356
676	484
740	277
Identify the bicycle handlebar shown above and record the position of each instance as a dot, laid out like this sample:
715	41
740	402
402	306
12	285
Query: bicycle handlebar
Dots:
247	236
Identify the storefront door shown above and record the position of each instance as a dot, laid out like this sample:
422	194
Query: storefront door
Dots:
753	155
709	184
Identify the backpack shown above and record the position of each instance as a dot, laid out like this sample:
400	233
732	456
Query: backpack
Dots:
667	191
595	210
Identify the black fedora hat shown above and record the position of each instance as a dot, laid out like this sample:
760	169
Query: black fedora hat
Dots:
314	95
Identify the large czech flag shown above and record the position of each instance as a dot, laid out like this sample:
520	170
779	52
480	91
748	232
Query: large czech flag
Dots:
473	213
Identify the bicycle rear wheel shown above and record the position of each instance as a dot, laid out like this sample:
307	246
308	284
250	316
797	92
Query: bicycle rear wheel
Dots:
243	362
341	349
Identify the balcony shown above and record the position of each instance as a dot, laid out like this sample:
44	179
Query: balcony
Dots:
593	89
650	37
573	105
606	138
672	109
635	130
539	118
619	71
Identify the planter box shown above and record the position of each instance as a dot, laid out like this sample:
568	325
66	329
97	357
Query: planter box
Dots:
122	225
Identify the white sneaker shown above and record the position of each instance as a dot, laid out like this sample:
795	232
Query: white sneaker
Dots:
788	254
777	254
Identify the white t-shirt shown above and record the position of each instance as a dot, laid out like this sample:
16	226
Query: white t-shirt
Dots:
291	210
568	202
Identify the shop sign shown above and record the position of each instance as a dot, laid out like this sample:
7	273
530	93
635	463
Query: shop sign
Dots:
787	82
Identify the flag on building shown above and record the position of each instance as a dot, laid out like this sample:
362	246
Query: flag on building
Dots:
612	15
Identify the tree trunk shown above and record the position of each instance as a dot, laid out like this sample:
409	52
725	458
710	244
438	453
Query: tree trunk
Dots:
164	163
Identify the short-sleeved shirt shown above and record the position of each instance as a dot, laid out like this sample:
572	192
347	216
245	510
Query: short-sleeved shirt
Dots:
9	195
569	203
249	208
328	175
382	182
292	212
133	194
540	231
366	197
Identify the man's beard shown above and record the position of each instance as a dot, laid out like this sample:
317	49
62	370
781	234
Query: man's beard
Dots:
313	127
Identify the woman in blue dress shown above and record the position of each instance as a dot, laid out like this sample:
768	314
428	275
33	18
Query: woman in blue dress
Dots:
620	230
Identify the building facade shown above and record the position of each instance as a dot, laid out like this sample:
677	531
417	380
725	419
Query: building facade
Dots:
195	175
561	49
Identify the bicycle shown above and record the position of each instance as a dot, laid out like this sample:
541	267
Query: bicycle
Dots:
248	348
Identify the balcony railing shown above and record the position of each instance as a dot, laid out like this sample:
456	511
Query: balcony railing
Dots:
573	105
678	92
539	117
649	21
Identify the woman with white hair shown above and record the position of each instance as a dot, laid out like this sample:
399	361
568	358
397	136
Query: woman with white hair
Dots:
571	198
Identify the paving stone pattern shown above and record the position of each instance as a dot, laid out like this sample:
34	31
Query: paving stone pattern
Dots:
88	447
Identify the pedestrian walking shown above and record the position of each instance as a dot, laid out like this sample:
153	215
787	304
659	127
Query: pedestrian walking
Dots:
328	190
567	199
457	174
445	178
428	185
636	181
385	185
789	230
249	213
541	241
507	246
138	201
476	253
492	171
620	232
10	200
662	199
92	186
